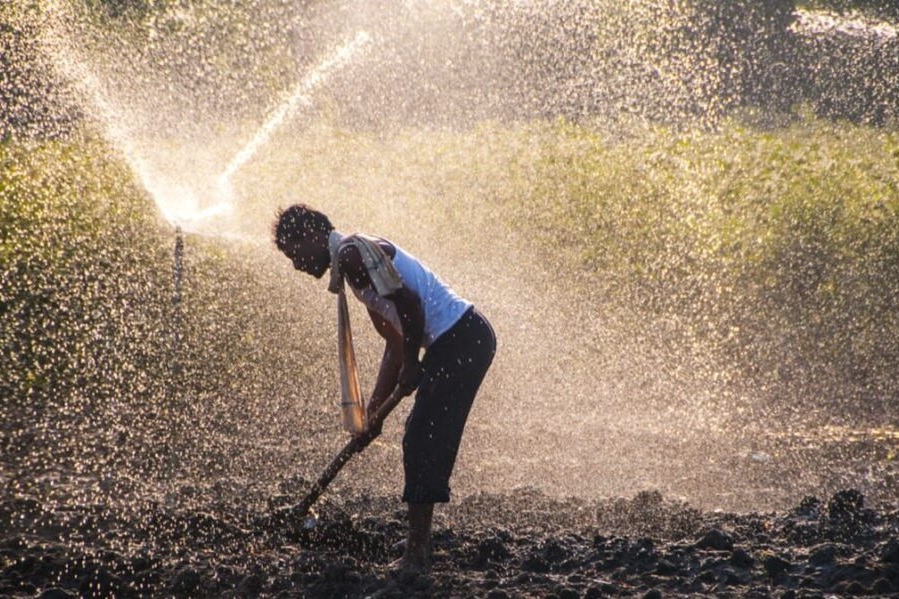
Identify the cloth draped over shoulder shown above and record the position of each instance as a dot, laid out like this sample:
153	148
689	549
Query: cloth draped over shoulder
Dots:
386	280
383	274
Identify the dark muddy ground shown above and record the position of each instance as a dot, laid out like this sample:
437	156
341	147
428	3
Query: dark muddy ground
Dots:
110	521
520	544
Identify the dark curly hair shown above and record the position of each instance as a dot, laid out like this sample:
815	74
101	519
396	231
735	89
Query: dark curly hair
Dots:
295	222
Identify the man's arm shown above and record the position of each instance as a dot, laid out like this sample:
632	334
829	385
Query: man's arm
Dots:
391	362
400	368
412	319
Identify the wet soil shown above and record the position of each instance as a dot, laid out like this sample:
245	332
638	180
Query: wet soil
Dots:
92	519
518	544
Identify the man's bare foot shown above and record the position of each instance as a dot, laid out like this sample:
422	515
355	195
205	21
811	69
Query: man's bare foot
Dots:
411	564
417	551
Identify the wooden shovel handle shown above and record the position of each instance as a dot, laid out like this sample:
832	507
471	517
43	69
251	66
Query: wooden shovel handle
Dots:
354	446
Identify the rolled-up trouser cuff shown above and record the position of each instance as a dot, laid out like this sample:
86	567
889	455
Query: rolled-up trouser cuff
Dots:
420	494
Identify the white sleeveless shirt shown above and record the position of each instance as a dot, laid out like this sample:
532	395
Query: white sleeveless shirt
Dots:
441	306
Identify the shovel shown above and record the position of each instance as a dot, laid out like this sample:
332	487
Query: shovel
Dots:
355	445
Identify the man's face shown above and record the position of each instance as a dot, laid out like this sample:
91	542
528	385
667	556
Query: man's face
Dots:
308	256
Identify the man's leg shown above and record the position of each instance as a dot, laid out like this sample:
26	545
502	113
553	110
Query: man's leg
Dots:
453	368
417	555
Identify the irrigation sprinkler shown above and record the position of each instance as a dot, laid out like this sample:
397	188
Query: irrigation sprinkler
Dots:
177	277
177	316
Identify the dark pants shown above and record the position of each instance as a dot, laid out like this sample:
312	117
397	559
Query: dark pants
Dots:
452	370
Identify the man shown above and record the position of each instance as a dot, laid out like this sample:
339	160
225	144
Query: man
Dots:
419	311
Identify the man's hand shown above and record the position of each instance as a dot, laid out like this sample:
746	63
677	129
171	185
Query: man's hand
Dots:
410	377
371	408
373	426
371	432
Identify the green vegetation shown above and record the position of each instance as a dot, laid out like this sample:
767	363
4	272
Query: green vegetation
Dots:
83	278
884	9
778	249
76	240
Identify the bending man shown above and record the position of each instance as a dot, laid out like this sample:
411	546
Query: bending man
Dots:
420	312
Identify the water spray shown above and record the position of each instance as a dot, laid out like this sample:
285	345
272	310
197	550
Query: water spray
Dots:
299	96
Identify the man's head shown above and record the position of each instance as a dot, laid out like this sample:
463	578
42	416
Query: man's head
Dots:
301	234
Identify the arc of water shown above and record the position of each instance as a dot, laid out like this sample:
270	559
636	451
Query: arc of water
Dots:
108	117
171	197
299	95
111	118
